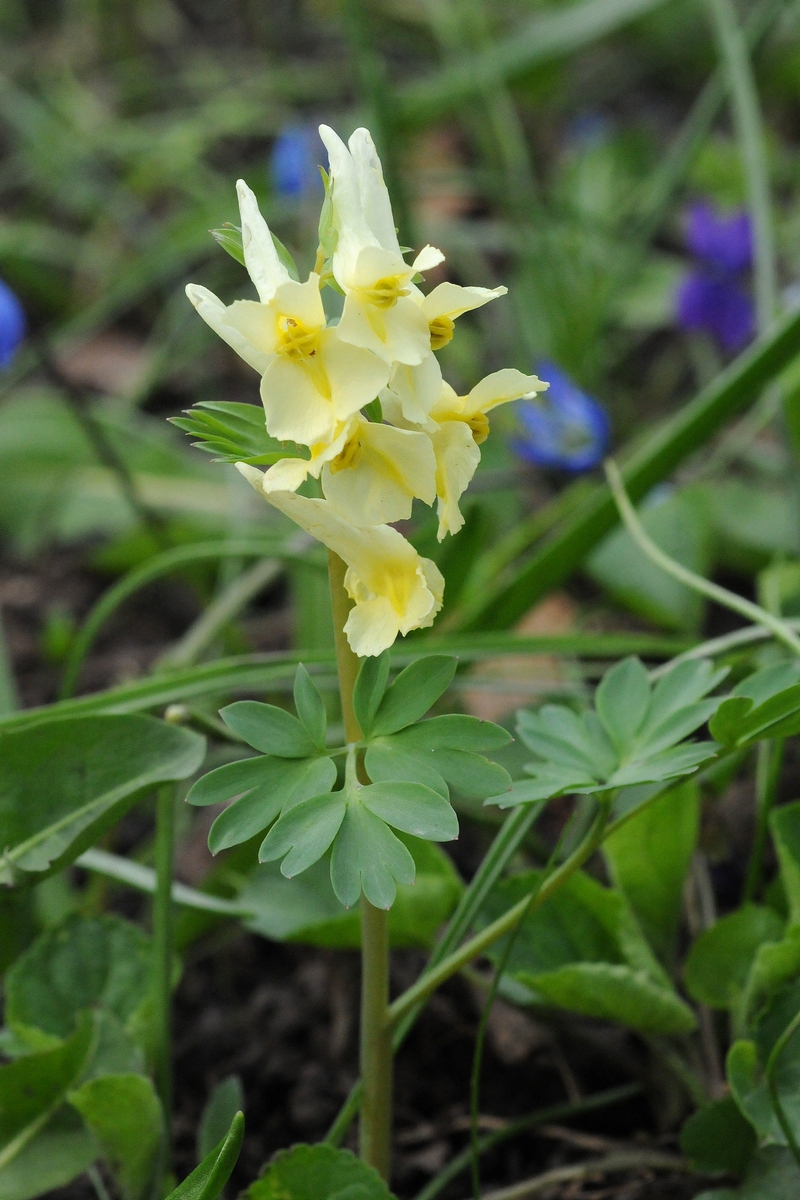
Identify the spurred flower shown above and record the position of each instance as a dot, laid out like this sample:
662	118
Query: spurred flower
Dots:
394	589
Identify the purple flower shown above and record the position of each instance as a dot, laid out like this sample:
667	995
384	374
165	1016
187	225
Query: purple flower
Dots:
562	427
12	324
712	298
293	163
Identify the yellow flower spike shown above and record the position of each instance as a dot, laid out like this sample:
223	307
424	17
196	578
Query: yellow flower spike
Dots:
394	589
311	380
381	311
447	302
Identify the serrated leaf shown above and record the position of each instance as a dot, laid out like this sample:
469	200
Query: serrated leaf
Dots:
124	1114
310	707
269	729
369	689
290	781
413	692
89	770
86	963
368	856
583	950
207	1181
304	833
413	808
318	1173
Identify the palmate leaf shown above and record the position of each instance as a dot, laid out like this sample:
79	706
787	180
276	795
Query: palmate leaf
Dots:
234	433
631	737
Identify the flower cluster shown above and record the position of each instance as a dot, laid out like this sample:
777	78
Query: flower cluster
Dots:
711	298
320	380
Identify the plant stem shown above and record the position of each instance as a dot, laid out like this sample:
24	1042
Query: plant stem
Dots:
375	1134
768	771
427	984
752	612
162	961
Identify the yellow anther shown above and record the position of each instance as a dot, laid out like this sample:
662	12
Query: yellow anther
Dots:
479	424
295	339
385	292
442	329
348	457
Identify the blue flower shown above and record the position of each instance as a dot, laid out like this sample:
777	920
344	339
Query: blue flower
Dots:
12	324
563	427
293	163
712	298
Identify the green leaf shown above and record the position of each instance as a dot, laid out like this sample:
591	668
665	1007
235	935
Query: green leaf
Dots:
369	689
85	963
234	433
283	784
207	1181
785	826
621	702
51	1159
310	707
582	950
229	237
630	740
62	783
775	965
318	1173
225	1101
413	808
304	833
649	857
717	1138
471	774
766	704
368	856
124	1114
751	1093
413	693
386	764
720	959
773	1175
268	729
305	909
33	1087
452	731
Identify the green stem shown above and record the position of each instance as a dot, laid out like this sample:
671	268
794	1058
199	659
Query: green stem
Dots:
752	612
163	961
427	984
768	771
375	1134
772	1064
752	140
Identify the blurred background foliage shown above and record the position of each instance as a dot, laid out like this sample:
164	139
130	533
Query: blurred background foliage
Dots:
554	146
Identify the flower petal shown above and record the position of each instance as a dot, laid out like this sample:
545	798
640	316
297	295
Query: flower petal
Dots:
260	256
451	300
414	390
296	409
217	316
392	467
355	376
499	388
457	458
372	190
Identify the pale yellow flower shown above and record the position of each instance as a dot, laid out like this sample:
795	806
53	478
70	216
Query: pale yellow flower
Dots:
447	302
462	425
394	589
312	381
381	309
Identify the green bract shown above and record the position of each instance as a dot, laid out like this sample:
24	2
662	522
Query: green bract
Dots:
234	433
630	737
